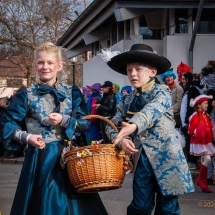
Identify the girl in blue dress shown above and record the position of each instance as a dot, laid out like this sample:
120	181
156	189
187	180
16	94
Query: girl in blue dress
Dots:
46	110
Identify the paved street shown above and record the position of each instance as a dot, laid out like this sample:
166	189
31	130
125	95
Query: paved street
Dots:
115	201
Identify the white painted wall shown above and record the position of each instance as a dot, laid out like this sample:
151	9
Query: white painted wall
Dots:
157	45
176	49
96	70
204	51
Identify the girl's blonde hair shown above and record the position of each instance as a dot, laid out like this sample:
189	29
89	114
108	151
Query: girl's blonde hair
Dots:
48	47
51	47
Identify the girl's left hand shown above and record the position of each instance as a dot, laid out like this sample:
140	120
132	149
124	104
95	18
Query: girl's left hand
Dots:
126	130
55	118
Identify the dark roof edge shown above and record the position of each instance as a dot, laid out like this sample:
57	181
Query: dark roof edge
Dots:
86	12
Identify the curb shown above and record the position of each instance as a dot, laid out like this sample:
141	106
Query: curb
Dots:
194	173
12	161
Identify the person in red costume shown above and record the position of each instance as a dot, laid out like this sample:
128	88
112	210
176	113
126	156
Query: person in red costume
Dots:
182	68
200	129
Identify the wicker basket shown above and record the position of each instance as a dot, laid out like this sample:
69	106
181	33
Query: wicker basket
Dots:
103	170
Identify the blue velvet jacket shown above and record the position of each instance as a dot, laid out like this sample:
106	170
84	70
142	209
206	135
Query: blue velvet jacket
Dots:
30	107
157	136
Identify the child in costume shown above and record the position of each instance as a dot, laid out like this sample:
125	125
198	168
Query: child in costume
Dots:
116	89
159	162
200	129
182	68
44	188
94	98
126	90
85	93
177	92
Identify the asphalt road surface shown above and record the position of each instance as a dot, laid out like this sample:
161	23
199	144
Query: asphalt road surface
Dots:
116	202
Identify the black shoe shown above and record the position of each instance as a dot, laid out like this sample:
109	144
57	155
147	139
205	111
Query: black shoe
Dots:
210	181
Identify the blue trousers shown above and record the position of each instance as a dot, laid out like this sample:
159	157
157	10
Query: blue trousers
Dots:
144	188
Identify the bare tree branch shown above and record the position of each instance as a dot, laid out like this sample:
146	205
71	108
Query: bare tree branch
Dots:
26	23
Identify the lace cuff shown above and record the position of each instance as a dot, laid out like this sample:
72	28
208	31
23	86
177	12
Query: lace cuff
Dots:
21	136
65	120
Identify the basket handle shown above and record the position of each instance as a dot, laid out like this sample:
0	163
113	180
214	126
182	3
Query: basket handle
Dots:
102	118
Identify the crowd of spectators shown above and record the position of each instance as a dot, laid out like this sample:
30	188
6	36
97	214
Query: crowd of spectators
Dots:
103	99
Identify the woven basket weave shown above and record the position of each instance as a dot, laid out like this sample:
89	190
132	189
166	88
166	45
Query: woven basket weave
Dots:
103	170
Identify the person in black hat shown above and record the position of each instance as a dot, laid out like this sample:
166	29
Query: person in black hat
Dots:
107	85
106	107
146	113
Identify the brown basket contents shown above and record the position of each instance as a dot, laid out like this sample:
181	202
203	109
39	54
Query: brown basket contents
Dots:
100	171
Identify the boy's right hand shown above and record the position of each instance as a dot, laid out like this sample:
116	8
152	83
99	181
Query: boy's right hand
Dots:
36	141
126	130
128	147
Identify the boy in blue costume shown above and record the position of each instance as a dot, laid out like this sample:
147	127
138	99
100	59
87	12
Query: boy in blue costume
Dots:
159	162
44	188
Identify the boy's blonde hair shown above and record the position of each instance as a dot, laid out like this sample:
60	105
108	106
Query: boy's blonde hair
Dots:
48	47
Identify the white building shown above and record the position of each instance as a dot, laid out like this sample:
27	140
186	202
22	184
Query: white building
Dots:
179	30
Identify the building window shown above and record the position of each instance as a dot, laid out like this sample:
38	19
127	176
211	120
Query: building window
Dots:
120	31
114	33
95	48
108	43
181	21
146	32
127	29
207	21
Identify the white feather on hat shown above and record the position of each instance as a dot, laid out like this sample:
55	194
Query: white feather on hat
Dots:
106	54
199	99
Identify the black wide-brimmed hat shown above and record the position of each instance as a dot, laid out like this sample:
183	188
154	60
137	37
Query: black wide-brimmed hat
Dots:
139	53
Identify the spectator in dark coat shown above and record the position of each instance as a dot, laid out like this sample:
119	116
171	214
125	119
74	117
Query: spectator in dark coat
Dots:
192	89
106	107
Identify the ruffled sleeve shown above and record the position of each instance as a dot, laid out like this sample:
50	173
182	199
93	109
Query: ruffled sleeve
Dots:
79	109
193	123
13	118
